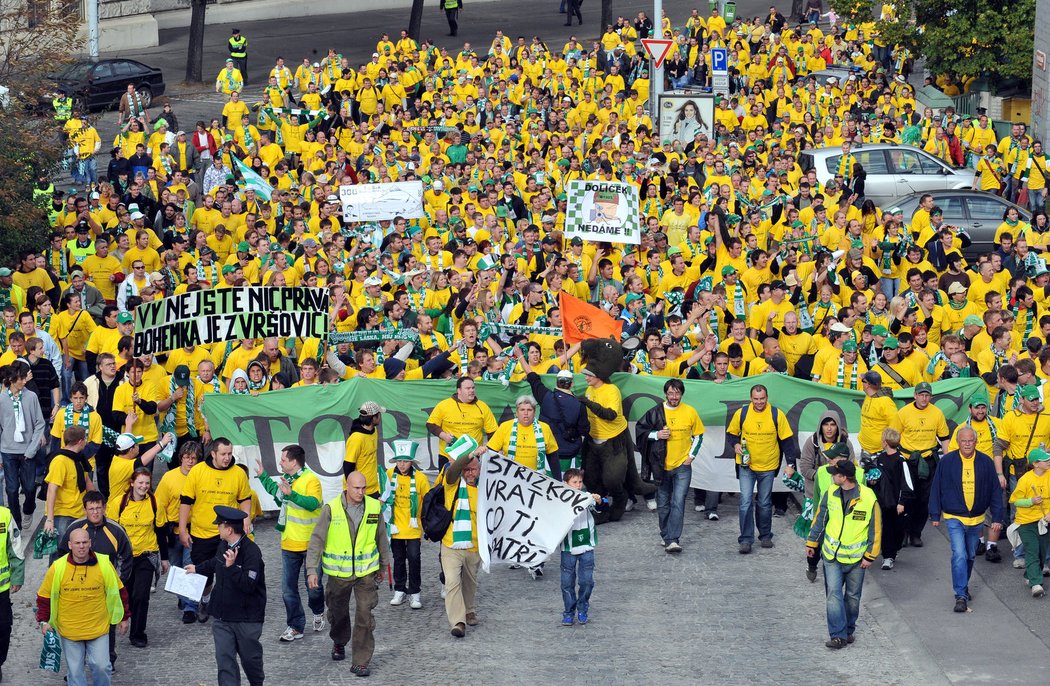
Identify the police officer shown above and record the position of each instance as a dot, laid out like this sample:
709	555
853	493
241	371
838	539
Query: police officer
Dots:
63	105
452	8
239	52
350	545
238	599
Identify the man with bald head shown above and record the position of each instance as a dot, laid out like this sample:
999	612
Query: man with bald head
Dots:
350	545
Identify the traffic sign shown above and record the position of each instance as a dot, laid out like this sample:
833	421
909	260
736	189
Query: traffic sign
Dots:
720	71
658	49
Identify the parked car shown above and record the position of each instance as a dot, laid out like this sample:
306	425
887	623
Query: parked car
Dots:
99	85
978	212
892	170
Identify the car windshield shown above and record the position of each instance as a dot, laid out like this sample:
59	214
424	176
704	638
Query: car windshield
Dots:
75	72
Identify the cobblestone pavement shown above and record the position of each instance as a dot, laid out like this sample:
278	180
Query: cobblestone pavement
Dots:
707	615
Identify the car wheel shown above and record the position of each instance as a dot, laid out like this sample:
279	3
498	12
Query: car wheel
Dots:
147	95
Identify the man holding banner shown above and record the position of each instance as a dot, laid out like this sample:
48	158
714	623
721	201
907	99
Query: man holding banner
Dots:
460	559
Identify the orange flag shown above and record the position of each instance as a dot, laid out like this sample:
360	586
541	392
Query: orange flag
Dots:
582	320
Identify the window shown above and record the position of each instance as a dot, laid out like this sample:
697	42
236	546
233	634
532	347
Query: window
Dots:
123	70
911	162
873	161
952	207
103	71
985	208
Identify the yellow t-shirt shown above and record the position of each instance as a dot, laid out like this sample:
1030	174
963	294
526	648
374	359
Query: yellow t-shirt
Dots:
762	435
361	449
608	396
207	487
1028	486
94	427
450	502
146	424
403	502
875	415
684	423
75	328
526	453
139	521
82	611
463	419
920	429
120	471
969	481
63	473
169	495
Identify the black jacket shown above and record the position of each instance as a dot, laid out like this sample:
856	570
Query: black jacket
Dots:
653	452
566	417
891	488
239	594
108	538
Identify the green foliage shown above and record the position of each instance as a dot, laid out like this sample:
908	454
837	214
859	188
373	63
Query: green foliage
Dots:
989	38
30	144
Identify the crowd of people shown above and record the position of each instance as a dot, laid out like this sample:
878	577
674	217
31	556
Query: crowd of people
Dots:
748	265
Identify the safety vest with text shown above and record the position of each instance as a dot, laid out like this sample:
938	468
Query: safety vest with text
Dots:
846	532
347	557
114	605
5	565
239	47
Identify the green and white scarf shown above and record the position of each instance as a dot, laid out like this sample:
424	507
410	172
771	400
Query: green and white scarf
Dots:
413	499
583	535
20	418
83	420
739	302
1029	321
402	334
462	525
541	446
209	273
991	427
841	378
712	323
642	357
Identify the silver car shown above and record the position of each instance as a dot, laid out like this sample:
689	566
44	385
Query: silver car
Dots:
978	212
892	170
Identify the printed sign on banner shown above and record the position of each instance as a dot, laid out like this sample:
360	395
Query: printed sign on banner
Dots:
227	314
369	202
683	116
602	211
523	515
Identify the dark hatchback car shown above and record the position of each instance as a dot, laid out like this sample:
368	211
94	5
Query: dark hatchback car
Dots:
99	85
978	212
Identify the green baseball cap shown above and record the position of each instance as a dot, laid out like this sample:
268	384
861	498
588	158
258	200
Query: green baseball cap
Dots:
849	346
979	399
1038	455
891	342
1029	392
923	388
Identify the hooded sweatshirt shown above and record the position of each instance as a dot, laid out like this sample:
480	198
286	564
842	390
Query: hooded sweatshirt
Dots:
813	450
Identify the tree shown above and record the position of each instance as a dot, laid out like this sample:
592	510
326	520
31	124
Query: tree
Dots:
195	45
968	37
30	144
607	18
415	20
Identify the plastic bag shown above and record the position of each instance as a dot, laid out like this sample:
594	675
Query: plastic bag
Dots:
44	544
51	653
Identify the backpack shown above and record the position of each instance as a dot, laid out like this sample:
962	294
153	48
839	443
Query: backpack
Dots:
127	497
435	518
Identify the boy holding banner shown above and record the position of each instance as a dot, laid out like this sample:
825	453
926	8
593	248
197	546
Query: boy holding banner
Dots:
577	553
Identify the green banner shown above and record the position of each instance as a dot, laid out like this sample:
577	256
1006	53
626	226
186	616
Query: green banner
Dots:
319	417
227	314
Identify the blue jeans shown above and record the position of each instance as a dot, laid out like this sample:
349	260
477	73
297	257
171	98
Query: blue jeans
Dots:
293	565
62	523
180	557
889	287
670	502
20	474
964	548
754	512
843	585
577	601
96	652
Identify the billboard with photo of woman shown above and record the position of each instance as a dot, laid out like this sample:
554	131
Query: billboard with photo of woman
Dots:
682	116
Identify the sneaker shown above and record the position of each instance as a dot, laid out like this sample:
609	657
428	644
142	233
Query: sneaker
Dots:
1037	591
811	574
399	597
535	572
189	617
887	563
766	543
360	670
319	623
745	549
444	591
712	516
960	604
1018	563
651	505
414	602
982	548
567	619
835	643
202	612
698	508
581	617
338	652
1046	570
27	522
673	547
992	554
290	635
630	506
